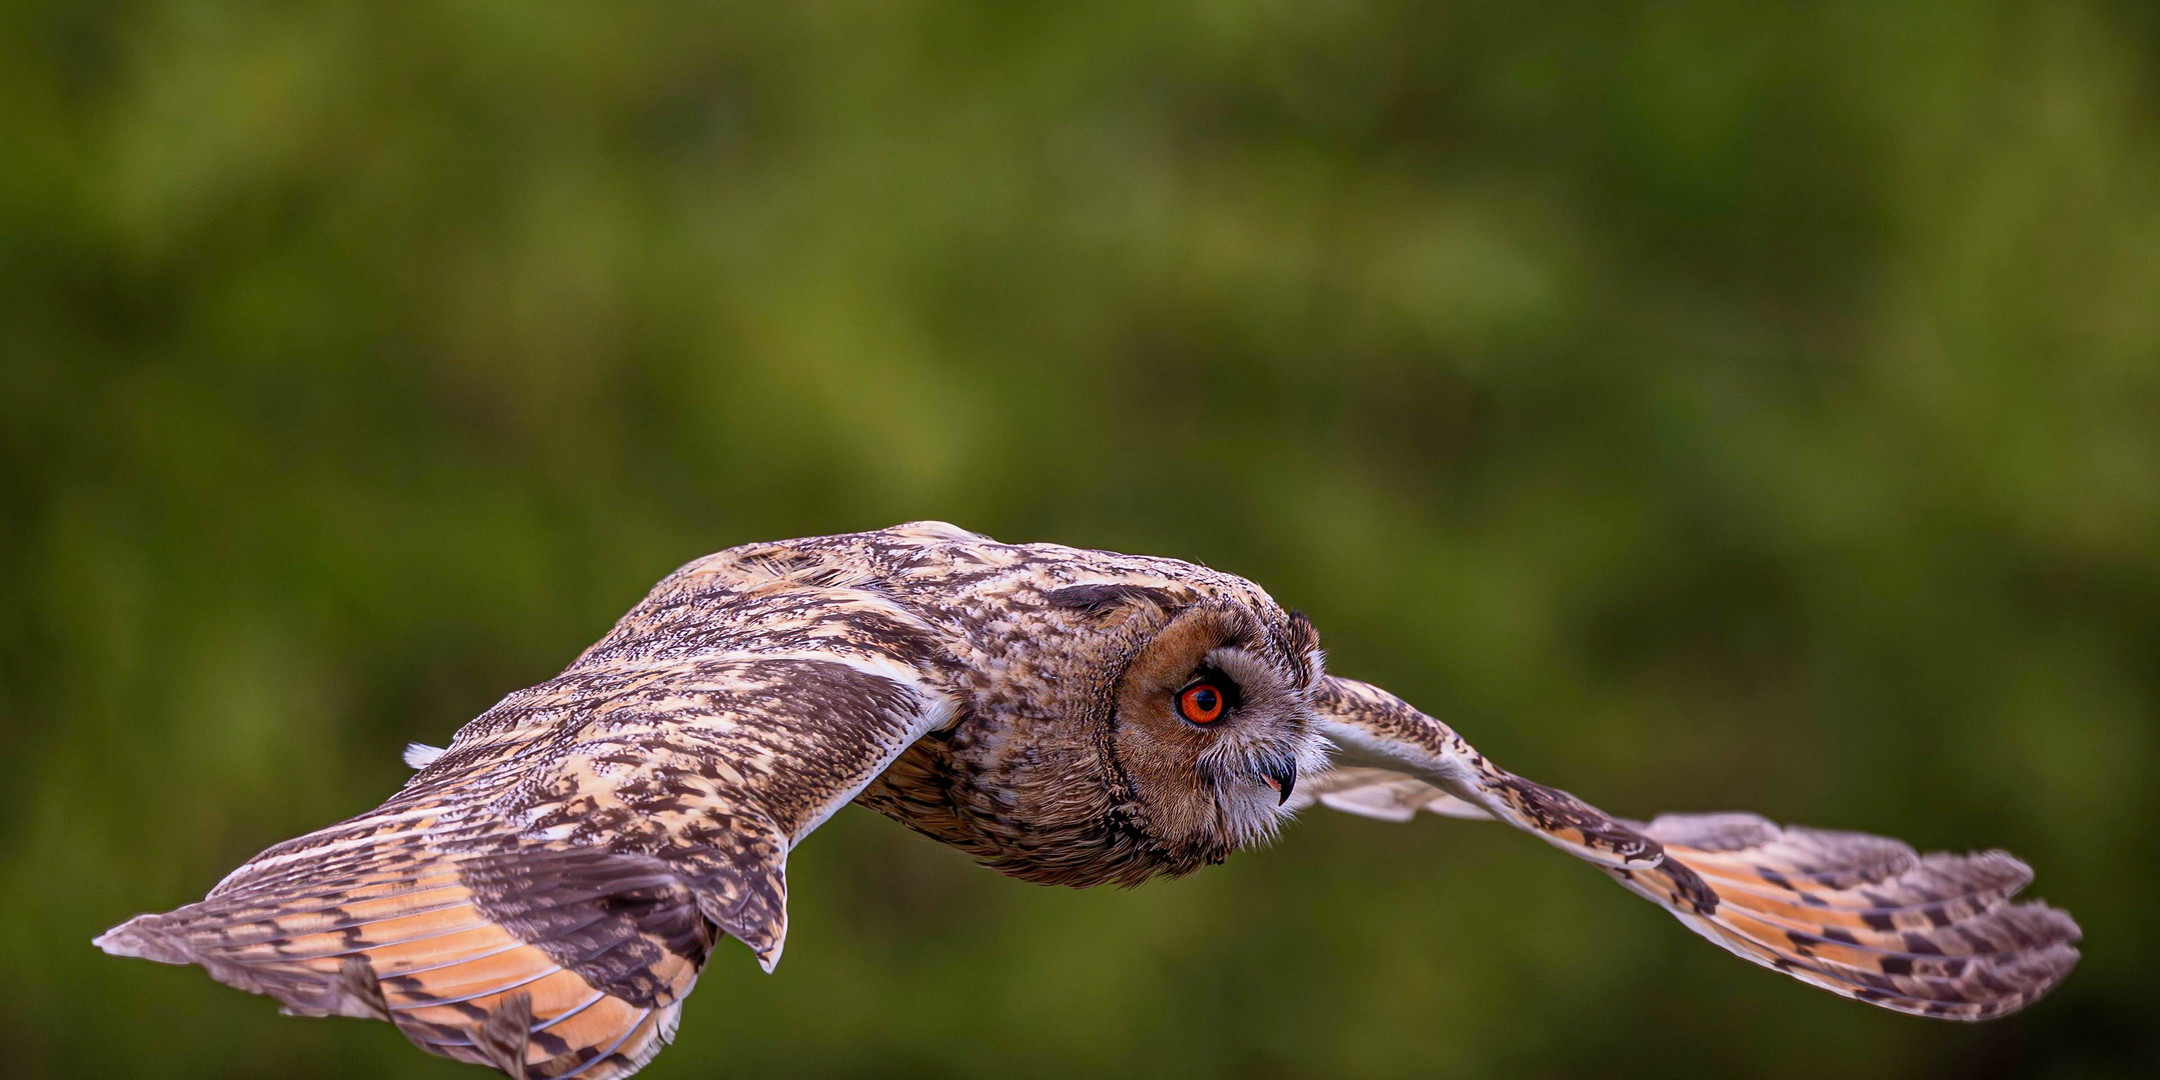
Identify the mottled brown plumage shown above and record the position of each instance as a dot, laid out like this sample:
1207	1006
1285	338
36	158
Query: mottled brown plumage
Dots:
543	893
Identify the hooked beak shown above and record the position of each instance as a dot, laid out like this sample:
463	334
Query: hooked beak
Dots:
1281	776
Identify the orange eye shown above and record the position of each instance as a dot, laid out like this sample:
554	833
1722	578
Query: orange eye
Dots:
1201	704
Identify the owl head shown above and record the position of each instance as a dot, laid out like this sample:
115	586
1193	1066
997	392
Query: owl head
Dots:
1122	716
1198	696
1213	723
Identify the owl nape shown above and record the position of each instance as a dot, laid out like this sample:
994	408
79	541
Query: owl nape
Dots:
542	894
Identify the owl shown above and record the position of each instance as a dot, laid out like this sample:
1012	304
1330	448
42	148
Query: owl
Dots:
542	894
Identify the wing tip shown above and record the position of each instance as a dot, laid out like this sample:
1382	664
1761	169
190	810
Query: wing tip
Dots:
138	938
2041	914
350	991
120	941
2015	985
768	957
1933	935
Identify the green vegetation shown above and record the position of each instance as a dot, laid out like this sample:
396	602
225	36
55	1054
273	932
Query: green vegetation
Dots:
1701	406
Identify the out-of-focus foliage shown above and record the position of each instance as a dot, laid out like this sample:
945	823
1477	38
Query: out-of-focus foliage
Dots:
1703	406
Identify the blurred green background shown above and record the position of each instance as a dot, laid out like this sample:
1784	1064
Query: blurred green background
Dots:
1702	406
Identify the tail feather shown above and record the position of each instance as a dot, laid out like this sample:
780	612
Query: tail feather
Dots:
468	955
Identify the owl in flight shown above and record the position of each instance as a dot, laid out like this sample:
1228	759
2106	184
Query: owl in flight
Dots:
542	894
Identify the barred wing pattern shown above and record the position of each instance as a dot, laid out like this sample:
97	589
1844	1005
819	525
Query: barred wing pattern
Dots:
1857	915
541	896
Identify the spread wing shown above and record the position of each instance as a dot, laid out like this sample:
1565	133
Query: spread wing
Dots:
1858	915
542	894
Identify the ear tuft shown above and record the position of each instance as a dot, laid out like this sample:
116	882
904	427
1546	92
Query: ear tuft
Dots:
1304	647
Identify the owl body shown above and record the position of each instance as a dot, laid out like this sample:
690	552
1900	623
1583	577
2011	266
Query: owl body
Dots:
1028	641
542	895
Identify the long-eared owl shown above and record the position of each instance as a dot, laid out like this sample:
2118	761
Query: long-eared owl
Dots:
542	894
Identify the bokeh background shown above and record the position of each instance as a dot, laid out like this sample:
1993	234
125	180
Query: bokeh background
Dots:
1702	406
